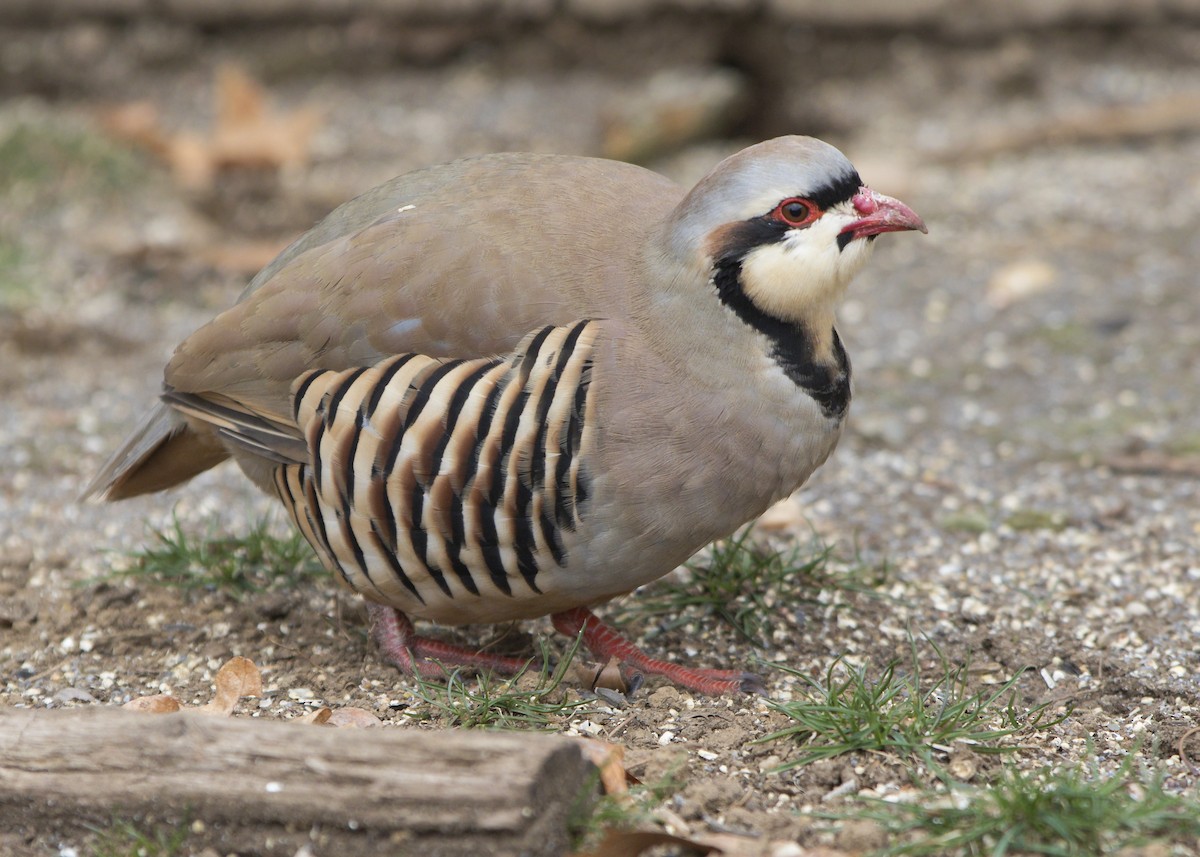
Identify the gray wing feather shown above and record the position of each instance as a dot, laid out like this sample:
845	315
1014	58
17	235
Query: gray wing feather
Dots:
254	432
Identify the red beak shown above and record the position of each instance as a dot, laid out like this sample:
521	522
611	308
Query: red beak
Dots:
881	214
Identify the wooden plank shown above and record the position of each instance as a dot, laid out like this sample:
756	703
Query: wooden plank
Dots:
269	787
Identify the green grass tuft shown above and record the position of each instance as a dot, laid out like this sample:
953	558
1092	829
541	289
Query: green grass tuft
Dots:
1184	445
1029	520
16	285
748	586
1062	812
972	521
236	565
125	839
848	710
36	154
634	809
524	701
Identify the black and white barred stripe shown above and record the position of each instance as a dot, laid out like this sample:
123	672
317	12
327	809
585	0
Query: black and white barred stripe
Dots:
431	478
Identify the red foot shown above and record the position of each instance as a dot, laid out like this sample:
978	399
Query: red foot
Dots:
604	642
398	642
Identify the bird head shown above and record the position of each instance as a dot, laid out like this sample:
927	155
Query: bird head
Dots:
785	225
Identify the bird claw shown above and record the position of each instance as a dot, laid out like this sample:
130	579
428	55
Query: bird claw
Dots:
752	683
400	645
707	682
604	642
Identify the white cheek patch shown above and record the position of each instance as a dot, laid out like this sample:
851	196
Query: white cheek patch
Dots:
805	275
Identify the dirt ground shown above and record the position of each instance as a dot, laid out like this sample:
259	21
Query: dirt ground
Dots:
1021	462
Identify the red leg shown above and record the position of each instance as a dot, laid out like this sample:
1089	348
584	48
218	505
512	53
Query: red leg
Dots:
398	642
604	642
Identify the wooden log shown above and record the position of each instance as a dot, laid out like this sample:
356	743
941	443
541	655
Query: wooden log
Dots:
266	787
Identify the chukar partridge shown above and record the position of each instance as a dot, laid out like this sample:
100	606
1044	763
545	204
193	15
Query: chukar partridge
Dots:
520	385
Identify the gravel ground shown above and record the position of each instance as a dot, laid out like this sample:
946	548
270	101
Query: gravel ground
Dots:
1022	459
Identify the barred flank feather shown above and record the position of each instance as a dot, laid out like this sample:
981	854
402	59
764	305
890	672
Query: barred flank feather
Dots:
441	479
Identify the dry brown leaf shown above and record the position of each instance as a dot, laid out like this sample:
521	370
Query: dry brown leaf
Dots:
609	676
190	157
237	678
580	672
246	133
319	717
159	703
610	760
241	99
249	134
139	123
353	718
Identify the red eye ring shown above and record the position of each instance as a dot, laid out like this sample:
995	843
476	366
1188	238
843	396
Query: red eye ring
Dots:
796	211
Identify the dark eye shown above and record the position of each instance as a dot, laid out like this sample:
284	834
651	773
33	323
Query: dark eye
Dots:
796	212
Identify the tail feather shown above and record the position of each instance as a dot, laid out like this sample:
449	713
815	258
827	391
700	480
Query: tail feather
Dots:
164	450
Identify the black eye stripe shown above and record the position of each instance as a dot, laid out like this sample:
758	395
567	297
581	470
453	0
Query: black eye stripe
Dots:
838	190
738	239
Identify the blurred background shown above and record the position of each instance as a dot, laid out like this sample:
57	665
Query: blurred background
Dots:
1023	457
1024	444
